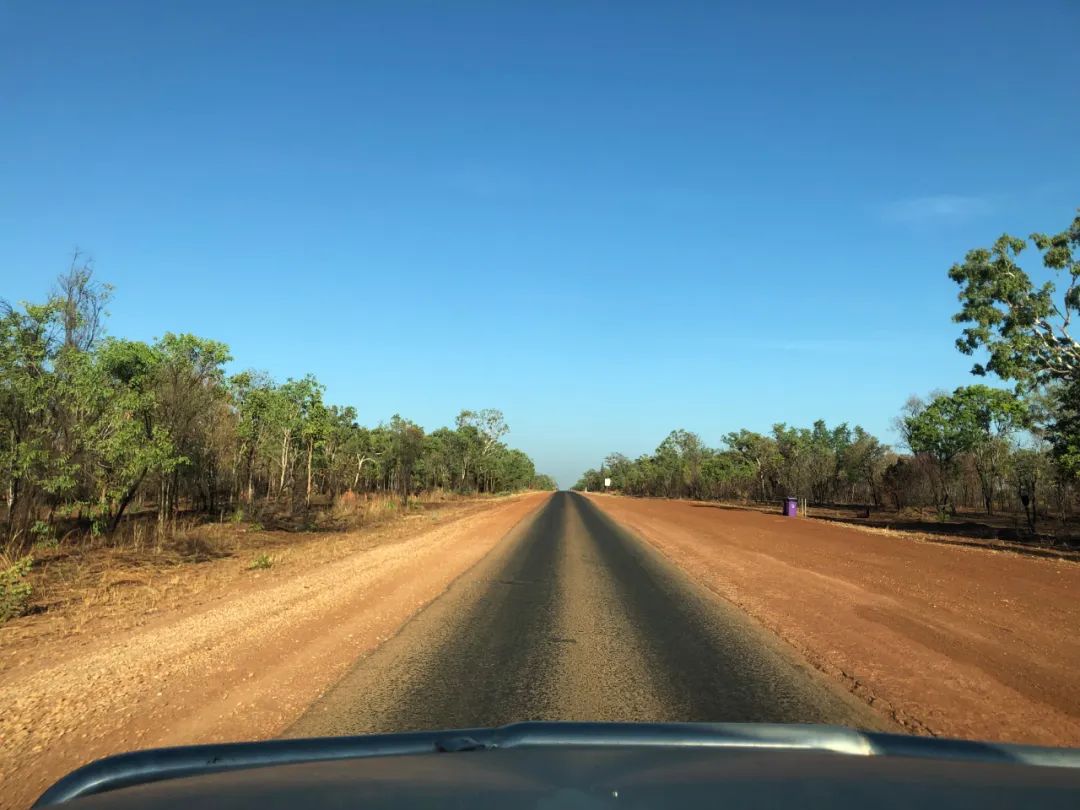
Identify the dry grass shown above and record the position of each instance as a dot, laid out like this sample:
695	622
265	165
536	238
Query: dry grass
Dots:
350	511
79	583
983	544
84	582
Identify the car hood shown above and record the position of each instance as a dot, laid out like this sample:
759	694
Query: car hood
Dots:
584	765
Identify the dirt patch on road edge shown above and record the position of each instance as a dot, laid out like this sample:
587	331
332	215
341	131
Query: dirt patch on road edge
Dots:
243	664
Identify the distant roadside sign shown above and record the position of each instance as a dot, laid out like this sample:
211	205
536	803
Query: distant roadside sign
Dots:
607	482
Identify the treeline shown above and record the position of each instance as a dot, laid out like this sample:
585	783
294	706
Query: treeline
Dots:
92	426
819	463
977	447
970	449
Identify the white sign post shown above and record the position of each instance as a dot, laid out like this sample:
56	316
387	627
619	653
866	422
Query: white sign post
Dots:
607	482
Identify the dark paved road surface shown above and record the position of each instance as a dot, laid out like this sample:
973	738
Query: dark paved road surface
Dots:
573	618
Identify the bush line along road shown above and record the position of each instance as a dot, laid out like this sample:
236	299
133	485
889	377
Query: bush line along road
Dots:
576	607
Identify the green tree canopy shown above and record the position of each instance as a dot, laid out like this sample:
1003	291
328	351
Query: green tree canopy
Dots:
1024	326
970	419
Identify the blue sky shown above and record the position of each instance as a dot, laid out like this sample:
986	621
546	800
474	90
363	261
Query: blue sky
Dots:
607	219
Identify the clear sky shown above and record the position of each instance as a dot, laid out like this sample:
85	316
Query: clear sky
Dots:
607	219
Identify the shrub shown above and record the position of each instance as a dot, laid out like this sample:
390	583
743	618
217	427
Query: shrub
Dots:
261	563
14	589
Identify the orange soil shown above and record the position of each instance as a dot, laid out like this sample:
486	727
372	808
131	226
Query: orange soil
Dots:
240	662
947	640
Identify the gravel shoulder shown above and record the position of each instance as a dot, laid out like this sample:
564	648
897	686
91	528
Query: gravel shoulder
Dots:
945	640
241	658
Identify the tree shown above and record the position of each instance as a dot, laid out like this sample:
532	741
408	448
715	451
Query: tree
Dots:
1029	469
1063	432
793	448
512	470
290	413
252	393
342	437
727	473
758	452
315	426
127	437
490	424
543	483
406	447
467	443
619	469
590	481
82	304
900	479
974	419
864	459
190	398
481	432
28	349
996	415
1021	324
678	461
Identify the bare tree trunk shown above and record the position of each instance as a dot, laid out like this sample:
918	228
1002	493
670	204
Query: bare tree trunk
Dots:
360	459
13	505
251	473
284	459
211	488
174	494
124	501
162	505
310	453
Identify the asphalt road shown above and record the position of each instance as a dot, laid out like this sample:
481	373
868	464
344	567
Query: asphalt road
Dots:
572	617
